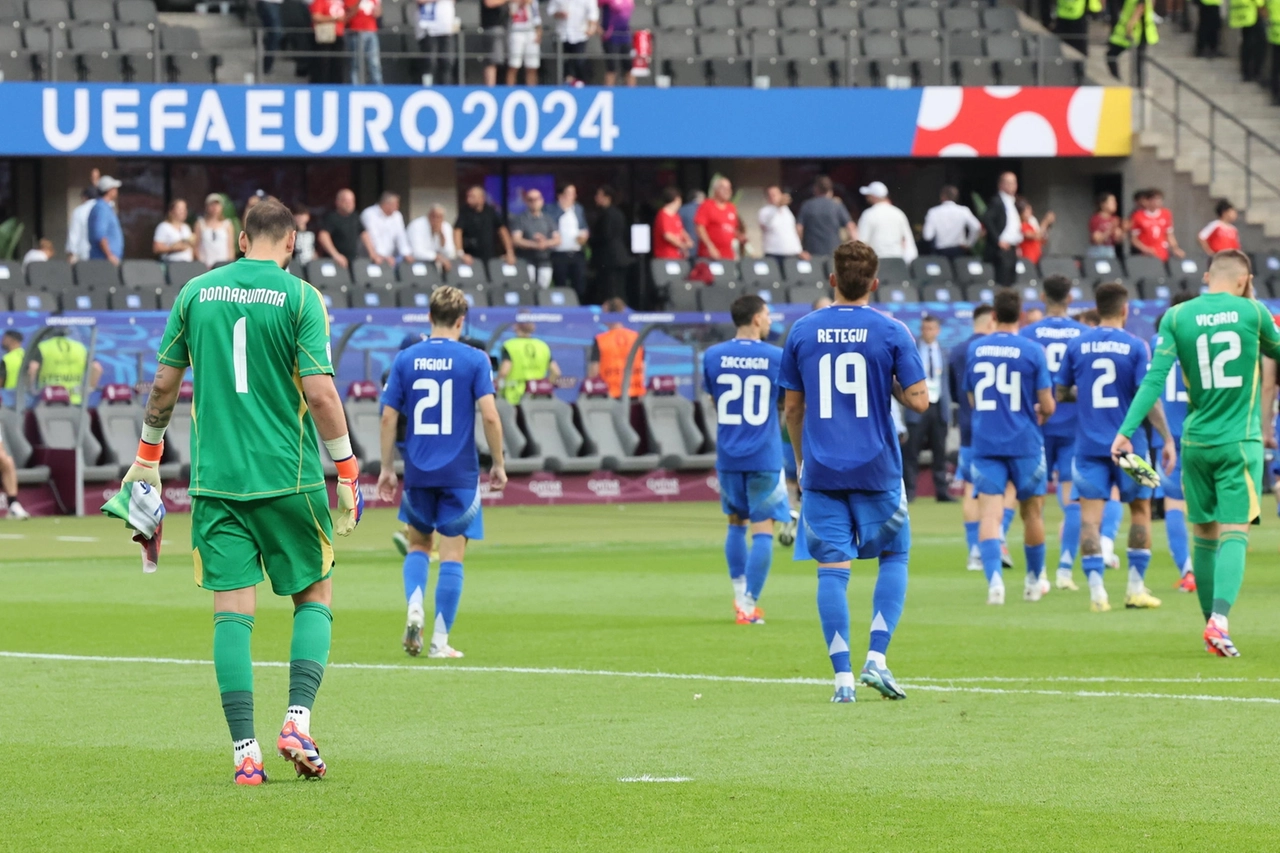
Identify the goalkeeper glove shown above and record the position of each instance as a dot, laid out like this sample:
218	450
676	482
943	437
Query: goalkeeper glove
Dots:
146	467
350	501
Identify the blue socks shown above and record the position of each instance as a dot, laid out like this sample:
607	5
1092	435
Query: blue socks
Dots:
1138	562
1035	559
887	600
448	594
971	535
1005	522
990	550
1070	536
1112	515
1175	527
735	550
415	576
1092	565
833	612
758	563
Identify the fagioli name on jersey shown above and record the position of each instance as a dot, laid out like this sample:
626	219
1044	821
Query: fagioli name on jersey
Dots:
254	296
433	364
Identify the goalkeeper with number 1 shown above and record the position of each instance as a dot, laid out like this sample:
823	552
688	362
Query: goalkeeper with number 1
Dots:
257	340
1216	337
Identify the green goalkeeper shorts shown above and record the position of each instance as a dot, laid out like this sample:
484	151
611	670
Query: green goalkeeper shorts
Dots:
289	537
1223	483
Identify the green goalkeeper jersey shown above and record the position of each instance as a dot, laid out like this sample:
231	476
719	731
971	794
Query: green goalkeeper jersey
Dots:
250	331
1216	339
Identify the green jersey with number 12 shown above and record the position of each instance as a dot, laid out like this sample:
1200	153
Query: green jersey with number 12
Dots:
250	331
1216	339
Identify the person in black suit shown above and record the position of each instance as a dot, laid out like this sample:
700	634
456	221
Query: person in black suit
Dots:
610	246
1004	230
929	428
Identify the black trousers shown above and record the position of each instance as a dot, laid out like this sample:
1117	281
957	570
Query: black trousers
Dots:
1275	74
440	58
1075	33
569	269
1253	51
610	282
574	65
1006	265
330	68
930	431
1208	30
1113	61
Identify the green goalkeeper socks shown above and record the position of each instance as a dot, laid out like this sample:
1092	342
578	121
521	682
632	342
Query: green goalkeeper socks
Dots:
1204	557
309	651
1232	547
233	664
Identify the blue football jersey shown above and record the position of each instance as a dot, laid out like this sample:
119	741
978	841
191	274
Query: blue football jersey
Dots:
1054	333
1004	374
742	376
844	359
435	385
956	368
1106	365
1174	398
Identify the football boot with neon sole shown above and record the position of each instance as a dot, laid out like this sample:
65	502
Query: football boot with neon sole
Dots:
844	695
298	747
1141	600
1065	581
250	771
881	679
1186	583
443	650
1218	642
1006	559
748	616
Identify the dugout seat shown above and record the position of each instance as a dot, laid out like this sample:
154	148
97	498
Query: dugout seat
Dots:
513	441
424	274
364	425
556	297
465	275
16	443
550	424
181	272
120	417
673	432
607	425
177	438
56	422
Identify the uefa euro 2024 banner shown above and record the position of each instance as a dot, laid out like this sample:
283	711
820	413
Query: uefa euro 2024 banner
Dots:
63	119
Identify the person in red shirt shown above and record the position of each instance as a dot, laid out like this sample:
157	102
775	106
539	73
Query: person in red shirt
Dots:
328	18
1151	230
670	240
719	224
1221	234
1106	229
1034	232
362	37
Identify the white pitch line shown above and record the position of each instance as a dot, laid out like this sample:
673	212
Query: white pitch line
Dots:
13	536
76	538
648	778
668	676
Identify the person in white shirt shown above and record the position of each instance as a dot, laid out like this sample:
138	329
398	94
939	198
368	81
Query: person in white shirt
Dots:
173	240
42	252
568	263
78	229
779	237
214	240
431	238
576	21
437	20
1004	229
304	244
884	227
524	42
385	226
951	227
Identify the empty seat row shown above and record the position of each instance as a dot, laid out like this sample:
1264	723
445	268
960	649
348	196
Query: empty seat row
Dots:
804	45
57	275
861	71
61	12
1002	19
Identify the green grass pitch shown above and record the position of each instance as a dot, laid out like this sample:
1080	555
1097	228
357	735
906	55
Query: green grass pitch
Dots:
1028	727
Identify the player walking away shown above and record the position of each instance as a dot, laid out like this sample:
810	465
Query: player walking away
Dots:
983	324
742	376
1054	333
842	367
257	341
1004	369
437	384
1174	402
1220	333
1102	370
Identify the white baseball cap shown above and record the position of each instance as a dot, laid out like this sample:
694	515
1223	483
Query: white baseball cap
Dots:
107	183
875	189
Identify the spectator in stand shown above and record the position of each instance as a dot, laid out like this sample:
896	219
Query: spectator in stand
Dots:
524	42
719	225
431	238
1209	29
214	236
479	229
384	226
1106	228
689	215
609	353
610	246
493	25
78	226
1221	234
824	221
576	21
568	263
362	40
670	239
1151	228
779	236
951	227
534	234
1034	232
328	28
1004	229
434	30
884	227
106	237
1135	27
1243	15
304	245
173	239
341	231
269	16
42	252
615	36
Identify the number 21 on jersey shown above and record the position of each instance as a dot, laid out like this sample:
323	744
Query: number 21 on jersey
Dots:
437	394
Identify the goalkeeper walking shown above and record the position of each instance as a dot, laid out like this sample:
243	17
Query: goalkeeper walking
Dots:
257	340
1216	339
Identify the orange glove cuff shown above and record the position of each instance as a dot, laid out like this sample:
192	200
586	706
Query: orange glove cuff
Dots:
348	469
150	452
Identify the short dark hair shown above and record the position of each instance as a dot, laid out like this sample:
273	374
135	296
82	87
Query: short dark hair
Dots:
745	308
855	264
822	185
1178	298
608	192
1057	289
669	195
949	192
1008	305
1101	197
982	310
929	318
268	220
1222	207
614	306
560	188
12	334
1089	317
1228	257
447	304
1110	298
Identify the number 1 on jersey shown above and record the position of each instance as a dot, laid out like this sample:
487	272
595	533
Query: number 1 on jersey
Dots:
239	355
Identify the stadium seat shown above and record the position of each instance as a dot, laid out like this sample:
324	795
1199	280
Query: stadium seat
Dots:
607	426
1098	269
132	300
16	66
556	297
56	422
1266	265
135	39
120	418
881	19
363	408
10	274
676	17
975	71
136	12
1029	291
20	449
666	272
839	19
48	11
760	273
365	273
513	296
1026	272
1060	71
893	272
85	300
54	276
96	275
549	421
719	297
412	295
799	19
181	272
721	18
1001	19
921	19
932	269
961	20
898	293
373	296
465	275
800	45
1130	285
813	72
940	293
503	274
673	432
93	11
801	271
477	295
421	273
721	271
333	281
1146	270
683	295
759	18
974	271
983	292
140	275
513	441
773	68
26	299
1188	272
1063	265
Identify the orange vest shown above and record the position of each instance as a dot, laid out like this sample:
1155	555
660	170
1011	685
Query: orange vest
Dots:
614	346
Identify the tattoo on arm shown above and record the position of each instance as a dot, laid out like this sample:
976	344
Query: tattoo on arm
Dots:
1065	394
158	413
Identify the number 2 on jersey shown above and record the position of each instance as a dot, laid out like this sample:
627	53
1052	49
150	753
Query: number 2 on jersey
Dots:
1106	368
755	405
997	375
437	394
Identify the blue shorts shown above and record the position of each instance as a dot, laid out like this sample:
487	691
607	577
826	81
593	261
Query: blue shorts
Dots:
452	512
1029	475
754	495
1059	452
840	526
789	460
1172	483
1095	475
964	462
